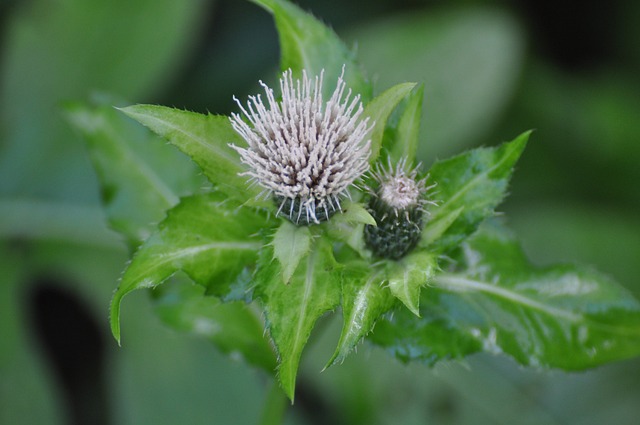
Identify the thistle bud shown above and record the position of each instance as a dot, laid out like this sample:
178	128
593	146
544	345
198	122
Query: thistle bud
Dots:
398	206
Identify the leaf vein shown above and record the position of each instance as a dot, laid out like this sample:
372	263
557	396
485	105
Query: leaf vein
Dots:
211	147
144	170
457	283
472	183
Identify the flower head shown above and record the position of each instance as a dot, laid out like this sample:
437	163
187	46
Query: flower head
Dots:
397	204
303	151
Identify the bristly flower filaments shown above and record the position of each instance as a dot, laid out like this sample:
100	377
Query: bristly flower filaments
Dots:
397	204
304	152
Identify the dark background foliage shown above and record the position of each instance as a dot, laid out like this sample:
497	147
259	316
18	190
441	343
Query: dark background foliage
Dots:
567	69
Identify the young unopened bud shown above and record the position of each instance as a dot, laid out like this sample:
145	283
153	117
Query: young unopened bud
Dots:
398	206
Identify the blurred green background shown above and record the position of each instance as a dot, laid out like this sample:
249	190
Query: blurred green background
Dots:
491	69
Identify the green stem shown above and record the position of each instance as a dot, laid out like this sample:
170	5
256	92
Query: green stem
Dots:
275	406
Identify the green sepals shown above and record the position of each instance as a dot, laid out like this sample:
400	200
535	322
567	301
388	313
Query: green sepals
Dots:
233	327
206	139
406	134
348	227
476	182
140	176
408	275
306	43
562	316
397	232
209	237
292	309
379	110
365	297
290	244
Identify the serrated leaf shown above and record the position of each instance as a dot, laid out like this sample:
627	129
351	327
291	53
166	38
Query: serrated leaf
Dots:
563	316
140	176
291	243
436	227
379	110
208	237
232	327
307	43
206	139
408	275
475	181
292	310
365	298
428	339
407	132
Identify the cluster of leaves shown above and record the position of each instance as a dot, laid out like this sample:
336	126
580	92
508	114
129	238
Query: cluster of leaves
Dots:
467	287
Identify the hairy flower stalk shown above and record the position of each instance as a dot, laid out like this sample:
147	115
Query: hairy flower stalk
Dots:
304	152
398	205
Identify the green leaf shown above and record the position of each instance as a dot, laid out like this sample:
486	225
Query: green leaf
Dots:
407	132
140	176
365	298
208	237
355	213
563	316
292	310
306	43
378	111
428	339
233	327
206	139
290	244
161	371
348	227
436	227
475	181
408	275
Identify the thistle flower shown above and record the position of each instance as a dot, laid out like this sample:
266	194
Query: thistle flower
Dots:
304	152
398	205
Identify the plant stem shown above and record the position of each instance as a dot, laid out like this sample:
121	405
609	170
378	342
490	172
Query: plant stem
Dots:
275	406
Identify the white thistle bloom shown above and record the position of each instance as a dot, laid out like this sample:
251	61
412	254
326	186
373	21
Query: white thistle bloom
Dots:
302	150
